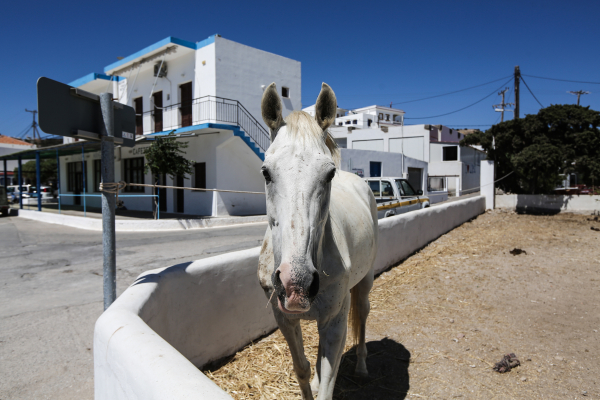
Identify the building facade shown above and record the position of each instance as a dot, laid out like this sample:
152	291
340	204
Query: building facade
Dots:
207	94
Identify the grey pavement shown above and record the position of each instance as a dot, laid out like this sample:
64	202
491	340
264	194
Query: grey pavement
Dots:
51	295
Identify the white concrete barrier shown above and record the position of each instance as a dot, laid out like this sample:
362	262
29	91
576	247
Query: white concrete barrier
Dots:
548	203
402	235
130	225
150	343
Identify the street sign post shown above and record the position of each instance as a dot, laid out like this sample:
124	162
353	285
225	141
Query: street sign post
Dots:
68	111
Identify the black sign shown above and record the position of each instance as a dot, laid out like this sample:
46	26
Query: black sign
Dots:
68	111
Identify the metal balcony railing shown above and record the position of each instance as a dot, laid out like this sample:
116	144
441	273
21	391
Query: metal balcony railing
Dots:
204	110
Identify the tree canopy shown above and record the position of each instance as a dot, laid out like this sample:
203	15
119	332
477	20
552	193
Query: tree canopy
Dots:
165	156
47	171
559	139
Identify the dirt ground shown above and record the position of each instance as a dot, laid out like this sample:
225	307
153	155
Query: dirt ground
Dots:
443	317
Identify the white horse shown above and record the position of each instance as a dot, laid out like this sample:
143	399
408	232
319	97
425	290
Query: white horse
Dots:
320	245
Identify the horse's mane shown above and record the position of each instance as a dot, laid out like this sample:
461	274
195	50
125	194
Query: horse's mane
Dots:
302	125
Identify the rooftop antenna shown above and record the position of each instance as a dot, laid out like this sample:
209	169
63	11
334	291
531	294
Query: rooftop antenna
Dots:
34	127
578	93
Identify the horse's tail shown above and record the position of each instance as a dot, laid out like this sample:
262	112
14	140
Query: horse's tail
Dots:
354	317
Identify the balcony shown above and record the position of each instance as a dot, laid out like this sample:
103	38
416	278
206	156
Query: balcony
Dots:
202	110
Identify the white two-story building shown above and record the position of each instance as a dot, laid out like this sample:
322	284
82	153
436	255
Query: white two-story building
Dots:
208	93
451	168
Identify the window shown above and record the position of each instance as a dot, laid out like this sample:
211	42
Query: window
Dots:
386	189
405	188
134	173
436	184
285	92
450	153
348	122
139	118
97	175
380	116
375	168
369	122
374	185
341	124
354	122
387	117
75	177
200	175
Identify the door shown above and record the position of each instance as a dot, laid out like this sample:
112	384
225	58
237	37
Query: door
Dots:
186	104
75	180
139	118
375	169
179	195
408	194
158	112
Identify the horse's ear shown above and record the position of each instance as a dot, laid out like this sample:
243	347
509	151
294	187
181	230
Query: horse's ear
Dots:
326	107
271	109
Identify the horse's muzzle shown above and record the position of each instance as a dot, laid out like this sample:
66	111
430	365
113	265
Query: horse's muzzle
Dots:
296	287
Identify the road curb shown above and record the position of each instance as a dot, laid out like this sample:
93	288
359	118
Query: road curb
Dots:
95	224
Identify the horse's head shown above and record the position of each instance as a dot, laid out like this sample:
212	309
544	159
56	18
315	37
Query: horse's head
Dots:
298	170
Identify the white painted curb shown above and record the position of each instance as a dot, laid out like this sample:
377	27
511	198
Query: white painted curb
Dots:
151	341
122	225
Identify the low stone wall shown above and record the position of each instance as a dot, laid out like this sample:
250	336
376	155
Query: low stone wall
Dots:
538	203
151	341
129	225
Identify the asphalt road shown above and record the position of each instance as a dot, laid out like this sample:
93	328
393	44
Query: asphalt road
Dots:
51	295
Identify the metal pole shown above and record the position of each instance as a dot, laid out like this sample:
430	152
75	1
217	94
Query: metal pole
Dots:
58	179
84	181
517	98
402	149
5	177
38	180
20	185
108	200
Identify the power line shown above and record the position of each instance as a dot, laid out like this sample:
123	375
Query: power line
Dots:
456	91
562	80
464	108
527	86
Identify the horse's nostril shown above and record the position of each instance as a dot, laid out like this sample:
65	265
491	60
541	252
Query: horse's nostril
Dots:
313	290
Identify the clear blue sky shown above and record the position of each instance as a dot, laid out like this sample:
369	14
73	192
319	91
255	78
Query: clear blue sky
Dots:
369	52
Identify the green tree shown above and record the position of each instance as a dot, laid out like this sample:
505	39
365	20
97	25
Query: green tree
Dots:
47	171
165	157
538	148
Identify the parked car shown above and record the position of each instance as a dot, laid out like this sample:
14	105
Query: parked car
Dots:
4	206
14	193
396	196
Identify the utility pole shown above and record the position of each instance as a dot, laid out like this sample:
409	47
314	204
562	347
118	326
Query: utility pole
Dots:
501	107
34	126
578	93
517	79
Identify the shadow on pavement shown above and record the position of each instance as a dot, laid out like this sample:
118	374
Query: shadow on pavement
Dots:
388	378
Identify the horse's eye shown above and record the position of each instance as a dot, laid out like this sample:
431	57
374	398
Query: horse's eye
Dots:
266	175
330	175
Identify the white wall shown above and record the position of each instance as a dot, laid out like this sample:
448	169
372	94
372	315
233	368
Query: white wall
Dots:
391	163
151	341
241	71
536	203
487	183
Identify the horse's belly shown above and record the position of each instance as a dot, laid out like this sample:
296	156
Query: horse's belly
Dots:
353	214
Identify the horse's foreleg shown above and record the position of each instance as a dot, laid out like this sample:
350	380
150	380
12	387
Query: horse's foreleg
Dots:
361	290
293	335
332	338
314	385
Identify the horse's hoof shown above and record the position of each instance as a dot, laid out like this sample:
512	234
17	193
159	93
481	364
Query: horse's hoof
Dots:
361	372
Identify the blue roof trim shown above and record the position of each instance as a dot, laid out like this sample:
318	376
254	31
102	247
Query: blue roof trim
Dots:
206	42
92	77
150	48
237	131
